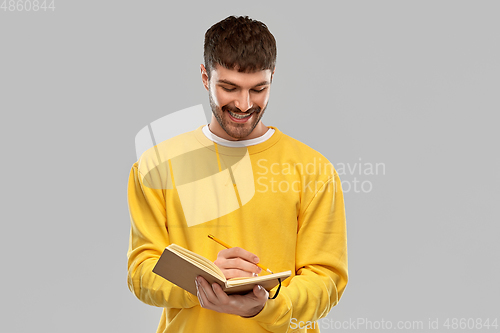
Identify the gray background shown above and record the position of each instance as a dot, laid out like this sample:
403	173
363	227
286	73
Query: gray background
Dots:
411	84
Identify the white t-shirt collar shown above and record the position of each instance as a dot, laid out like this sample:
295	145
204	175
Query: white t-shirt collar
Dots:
241	143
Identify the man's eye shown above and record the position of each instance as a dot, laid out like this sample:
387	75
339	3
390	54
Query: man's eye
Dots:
233	89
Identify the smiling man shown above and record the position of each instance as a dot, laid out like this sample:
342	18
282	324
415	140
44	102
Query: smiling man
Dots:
288	218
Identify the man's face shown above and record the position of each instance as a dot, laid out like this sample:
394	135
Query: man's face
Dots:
238	100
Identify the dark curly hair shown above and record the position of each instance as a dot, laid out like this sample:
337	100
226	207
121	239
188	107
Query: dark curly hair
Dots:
240	43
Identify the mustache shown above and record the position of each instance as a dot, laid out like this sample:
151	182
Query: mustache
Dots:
235	109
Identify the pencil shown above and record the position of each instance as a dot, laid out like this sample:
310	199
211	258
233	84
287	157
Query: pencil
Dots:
228	247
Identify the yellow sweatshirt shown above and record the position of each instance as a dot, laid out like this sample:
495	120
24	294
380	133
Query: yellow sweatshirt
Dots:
278	199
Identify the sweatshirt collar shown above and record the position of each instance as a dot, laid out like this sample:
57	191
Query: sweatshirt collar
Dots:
253	149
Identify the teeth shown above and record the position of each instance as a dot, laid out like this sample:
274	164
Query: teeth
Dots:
237	116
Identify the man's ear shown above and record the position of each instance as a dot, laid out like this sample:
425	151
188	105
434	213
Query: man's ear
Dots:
272	74
204	76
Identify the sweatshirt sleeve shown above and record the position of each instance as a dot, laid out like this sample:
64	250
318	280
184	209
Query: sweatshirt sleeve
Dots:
321	264
148	239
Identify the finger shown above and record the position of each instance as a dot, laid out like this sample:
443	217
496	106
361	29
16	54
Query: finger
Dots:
243	265
222	297
202	293
260	293
237	263
238	252
200	299
234	273
198	294
210	296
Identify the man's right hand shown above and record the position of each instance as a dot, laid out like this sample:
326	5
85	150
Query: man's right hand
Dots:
237	262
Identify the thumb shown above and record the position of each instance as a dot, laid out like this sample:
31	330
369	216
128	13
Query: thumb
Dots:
260	292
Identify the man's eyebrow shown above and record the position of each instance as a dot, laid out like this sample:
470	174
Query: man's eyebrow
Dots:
234	84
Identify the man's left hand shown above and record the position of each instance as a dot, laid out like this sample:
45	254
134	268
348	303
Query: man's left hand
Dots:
214	298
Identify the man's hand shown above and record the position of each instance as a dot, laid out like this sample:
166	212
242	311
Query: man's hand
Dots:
237	262
214	298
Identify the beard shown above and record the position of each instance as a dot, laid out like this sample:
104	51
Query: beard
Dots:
238	131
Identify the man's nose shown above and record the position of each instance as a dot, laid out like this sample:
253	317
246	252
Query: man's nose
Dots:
243	101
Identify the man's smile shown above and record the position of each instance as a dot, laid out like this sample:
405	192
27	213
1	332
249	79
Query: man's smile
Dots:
239	116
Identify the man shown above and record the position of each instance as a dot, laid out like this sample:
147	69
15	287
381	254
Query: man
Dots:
277	200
